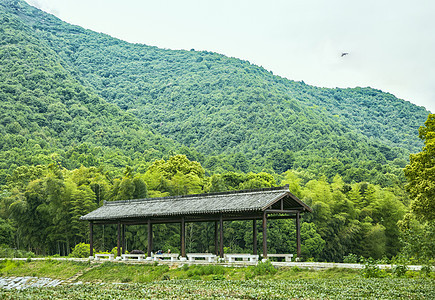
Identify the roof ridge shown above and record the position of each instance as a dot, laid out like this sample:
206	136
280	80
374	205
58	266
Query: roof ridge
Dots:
246	191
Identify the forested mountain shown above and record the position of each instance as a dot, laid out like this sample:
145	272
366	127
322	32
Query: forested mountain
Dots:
238	116
48	116
87	118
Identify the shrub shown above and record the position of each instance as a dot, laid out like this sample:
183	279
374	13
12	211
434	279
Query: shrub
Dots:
114	251
400	270
11	253
371	269
205	270
264	268
218	277
81	250
350	259
426	270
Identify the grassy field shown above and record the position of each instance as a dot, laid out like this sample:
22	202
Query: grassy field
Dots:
128	281
42	268
111	272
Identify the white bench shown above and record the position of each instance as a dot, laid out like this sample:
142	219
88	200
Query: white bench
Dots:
206	256
244	257
109	256
172	256
287	257
139	257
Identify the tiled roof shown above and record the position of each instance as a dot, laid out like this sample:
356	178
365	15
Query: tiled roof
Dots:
228	202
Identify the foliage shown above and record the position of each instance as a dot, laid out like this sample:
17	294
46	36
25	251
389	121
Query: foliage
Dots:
350	259
46	209
199	270
420	174
81	250
418	241
419	225
399	270
372	270
427	270
96	100
264	268
385	288
15	253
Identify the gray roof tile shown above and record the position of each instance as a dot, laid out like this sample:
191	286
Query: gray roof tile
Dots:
228	202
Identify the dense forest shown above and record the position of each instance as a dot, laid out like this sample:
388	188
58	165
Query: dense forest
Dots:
87	118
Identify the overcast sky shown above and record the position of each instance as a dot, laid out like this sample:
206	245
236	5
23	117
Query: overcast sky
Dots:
391	43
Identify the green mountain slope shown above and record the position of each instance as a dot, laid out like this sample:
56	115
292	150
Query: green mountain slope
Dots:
239	115
45	110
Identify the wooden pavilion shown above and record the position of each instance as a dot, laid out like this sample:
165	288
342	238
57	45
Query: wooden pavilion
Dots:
261	204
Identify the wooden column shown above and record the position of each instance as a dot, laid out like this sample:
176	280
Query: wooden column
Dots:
150	238
183	237
298	236
119	240
91	239
123	239
264	235
221	236
216	238
254	236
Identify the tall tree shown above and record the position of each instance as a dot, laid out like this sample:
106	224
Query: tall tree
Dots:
420	174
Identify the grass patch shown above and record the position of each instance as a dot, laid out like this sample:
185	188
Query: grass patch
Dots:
46	268
119	272
301	273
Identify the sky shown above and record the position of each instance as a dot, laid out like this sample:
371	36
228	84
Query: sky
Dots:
390	43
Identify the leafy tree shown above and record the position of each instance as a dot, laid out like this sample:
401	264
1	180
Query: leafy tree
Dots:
420	174
176	176
312	243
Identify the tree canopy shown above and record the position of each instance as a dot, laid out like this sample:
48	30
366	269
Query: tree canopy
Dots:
420	174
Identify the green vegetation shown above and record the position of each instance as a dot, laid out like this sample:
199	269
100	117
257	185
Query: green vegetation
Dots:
43	268
205	282
419	224
269	289
143	273
226	113
360	218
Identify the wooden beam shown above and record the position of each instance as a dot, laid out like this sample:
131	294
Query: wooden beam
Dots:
123	238
264	235
150	238
119	240
298	236
289	214
221	236
91	239
254	236
183	237
216	238
281	211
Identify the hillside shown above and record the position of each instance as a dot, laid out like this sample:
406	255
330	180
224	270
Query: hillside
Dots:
48	116
237	116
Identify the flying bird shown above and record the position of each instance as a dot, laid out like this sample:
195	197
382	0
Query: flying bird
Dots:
344	54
